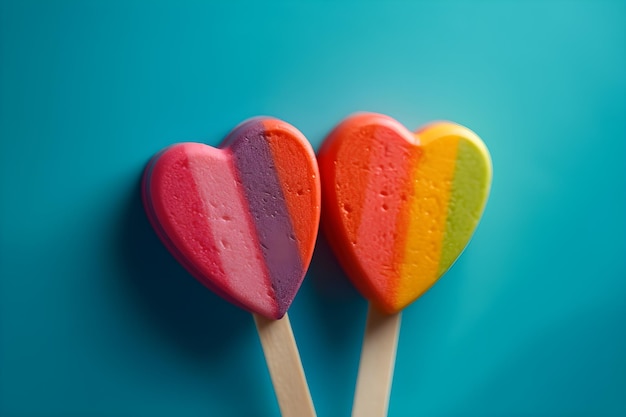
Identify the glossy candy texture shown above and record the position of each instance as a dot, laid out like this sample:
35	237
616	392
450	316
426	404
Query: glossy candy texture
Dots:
242	218
399	207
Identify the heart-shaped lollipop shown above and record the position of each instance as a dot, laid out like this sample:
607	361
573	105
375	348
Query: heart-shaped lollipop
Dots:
241	218
400	207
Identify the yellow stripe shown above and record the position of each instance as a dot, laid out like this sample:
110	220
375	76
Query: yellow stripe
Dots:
432	180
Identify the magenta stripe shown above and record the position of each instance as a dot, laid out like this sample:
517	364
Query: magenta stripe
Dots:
163	236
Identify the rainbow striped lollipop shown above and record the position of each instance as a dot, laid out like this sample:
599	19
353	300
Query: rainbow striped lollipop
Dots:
242	219
398	208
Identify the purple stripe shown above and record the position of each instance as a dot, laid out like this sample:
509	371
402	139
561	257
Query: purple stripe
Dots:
257	174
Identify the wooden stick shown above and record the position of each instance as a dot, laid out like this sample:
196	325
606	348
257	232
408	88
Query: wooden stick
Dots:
283	361
378	357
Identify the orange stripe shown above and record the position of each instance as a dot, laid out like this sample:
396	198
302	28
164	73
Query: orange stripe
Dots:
343	165
297	173
351	179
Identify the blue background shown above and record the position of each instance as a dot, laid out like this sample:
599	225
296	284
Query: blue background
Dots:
97	319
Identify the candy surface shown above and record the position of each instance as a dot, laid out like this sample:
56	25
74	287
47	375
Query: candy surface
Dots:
242	218
400	207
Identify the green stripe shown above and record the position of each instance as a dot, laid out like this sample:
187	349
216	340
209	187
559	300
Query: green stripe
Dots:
470	189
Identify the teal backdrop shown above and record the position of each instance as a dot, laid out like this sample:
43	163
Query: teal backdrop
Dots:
97	319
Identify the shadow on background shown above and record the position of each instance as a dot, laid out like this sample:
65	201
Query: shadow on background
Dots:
339	313
188	314
338	303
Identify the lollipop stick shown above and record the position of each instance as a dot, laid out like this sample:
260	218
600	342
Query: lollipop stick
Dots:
378	357
283	361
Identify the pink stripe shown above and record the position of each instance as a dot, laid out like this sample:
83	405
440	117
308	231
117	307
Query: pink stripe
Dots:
231	227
